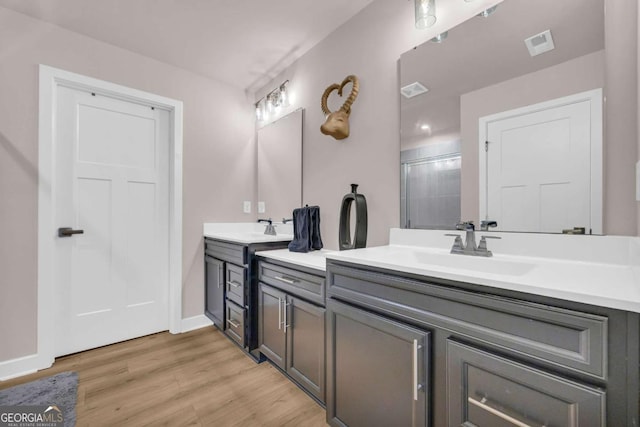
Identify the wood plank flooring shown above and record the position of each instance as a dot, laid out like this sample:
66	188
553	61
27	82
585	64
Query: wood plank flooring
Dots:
198	378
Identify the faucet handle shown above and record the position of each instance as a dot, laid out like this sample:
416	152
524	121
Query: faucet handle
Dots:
458	246
482	246
466	225
485	224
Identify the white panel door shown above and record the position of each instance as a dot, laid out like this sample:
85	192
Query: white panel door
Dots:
111	168
538	169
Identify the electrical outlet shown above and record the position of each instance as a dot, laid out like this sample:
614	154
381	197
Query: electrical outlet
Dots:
247	207
261	207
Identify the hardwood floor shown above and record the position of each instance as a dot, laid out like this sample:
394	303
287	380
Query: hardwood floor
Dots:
198	378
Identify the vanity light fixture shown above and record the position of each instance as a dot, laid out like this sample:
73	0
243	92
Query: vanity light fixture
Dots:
440	37
260	110
272	102
425	13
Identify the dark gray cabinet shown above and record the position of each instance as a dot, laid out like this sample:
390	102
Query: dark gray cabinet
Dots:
378	370
292	323
305	359
214	291
291	335
235	283
231	289
497	357
235	322
271	334
489	390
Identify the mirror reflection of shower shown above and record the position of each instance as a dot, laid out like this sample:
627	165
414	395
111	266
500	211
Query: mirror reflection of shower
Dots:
430	193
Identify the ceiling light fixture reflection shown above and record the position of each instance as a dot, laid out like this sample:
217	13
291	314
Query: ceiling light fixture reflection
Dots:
440	37
486	13
425	13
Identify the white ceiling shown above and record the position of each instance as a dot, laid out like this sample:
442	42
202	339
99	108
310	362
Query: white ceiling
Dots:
239	42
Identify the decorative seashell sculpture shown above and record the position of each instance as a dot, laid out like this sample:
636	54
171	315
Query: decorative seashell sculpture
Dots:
337	122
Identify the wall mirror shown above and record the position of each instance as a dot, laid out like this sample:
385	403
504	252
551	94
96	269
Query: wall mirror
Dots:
280	167
528	79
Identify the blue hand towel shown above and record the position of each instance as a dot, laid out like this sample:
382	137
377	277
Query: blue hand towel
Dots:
316	240
301	240
306	229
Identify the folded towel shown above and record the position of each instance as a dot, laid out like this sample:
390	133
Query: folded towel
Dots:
316	239
306	229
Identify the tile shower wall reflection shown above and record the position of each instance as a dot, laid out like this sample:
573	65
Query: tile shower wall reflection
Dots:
430	192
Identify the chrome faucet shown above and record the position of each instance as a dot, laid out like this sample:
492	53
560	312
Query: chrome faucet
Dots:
485	224
270	229
469	247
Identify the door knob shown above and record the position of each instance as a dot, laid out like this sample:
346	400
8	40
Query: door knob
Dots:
68	232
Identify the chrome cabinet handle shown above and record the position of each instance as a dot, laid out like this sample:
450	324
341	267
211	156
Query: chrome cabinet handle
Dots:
232	323
416	380
286	280
220	279
234	284
284	306
482	405
279	313
415	369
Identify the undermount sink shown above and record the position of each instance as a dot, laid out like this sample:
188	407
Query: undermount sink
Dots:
470	263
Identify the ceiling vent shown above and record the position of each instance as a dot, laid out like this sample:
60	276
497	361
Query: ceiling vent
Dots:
540	43
413	89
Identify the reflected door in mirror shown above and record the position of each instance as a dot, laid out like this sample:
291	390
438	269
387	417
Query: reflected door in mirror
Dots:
539	165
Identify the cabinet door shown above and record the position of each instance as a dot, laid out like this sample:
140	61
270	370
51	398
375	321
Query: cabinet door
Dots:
234	284
488	390
305	345
377	370
235	322
214	291
271	317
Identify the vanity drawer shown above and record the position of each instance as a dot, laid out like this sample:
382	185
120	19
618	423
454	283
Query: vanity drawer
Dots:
295	282
236	254
235	278
235	323
489	390
549	335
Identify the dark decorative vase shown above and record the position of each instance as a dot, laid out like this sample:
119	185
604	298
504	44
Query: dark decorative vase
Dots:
360	232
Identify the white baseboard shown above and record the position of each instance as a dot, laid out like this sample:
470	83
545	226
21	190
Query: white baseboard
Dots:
25	365
20	366
195	322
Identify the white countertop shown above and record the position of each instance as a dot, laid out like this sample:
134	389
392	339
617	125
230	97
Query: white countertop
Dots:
247	232
314	259
597	270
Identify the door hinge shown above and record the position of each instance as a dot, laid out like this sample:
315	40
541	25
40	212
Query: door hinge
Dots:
486	146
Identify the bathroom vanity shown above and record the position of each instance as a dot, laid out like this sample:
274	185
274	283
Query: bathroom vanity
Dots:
417	336
291	313
231	287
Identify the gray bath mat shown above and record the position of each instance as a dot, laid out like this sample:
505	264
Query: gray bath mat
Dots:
60	390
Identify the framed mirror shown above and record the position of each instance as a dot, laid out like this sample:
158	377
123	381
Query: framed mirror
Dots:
489	117
280	167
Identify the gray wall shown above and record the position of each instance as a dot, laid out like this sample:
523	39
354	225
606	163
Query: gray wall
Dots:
621	132
218	144
369	45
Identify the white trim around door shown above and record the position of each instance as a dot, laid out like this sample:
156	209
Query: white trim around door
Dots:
50	80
